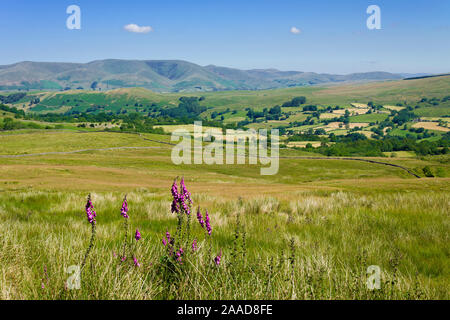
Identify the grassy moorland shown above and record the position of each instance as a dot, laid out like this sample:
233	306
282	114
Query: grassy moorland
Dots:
309	232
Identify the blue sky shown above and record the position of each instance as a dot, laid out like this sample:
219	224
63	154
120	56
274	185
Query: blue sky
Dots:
244	34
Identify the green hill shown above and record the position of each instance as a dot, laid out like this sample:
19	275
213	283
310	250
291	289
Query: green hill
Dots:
161	76
142	100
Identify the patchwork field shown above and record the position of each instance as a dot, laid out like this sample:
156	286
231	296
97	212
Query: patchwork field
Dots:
308	232
386	93
384	109
396	108
430	126
337	125
353	111
302	144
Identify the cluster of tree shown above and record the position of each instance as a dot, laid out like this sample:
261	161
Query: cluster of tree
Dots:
136	122
133	121
345	119
18	113
304	137
421	133
373	106
403	116
215	114
316	112
188	107
273	113
138	125
295	102
356	144
11	124
310	108
308	121
433	101
34	101
13	97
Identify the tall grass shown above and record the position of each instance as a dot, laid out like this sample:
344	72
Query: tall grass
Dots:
304	245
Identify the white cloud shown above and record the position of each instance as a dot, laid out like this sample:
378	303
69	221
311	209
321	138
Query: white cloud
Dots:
295	30
137	29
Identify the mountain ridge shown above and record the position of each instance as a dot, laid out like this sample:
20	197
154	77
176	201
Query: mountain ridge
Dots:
163	76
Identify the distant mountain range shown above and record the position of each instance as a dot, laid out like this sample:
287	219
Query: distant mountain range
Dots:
163	76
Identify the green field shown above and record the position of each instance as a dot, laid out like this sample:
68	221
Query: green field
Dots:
374	117
387	92
308	232
424	98
311	231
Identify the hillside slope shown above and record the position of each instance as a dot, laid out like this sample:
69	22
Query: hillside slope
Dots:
162	76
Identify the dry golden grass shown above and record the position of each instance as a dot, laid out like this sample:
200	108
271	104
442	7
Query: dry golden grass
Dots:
188	127
396	108
328	115
302	144
444	119
353	111
386	92
359	105
340	125
430	126
368	134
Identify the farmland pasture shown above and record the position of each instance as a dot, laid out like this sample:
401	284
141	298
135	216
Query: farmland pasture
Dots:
341	217
396	108
386	93
405	102
308	232
430	126
373	117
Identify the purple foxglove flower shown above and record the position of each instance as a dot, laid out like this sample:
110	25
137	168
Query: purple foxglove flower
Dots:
124	210
179	255
90	212
194	245
185	192
218	258
200	218
208	223
137	236
136	263
175	207
185	205
123	258
166	239
185	198
174	190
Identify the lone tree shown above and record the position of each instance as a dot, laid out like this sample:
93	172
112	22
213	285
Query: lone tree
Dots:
94	85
